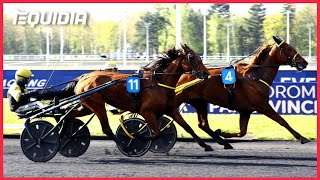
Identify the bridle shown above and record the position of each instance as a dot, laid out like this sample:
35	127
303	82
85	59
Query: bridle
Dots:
195	68
291	61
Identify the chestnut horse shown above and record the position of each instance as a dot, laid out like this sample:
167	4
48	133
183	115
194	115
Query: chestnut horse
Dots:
251	90
156	98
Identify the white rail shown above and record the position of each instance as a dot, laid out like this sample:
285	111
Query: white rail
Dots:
95	57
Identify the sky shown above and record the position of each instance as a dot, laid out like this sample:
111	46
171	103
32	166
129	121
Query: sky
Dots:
115	11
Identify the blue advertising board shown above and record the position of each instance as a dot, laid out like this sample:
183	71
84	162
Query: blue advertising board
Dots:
291	92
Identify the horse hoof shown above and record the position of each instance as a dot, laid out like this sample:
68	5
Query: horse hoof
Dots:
228	146
218	131
208	148
304	140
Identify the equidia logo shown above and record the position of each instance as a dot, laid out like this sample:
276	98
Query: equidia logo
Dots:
34	18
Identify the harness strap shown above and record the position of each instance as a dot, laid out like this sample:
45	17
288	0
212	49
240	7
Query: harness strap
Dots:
279	45
230	97
166	86
265	83
294	57
180	88
121	119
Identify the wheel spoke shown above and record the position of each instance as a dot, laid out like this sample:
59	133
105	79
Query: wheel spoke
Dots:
129	143
49	141
43	131
144	130
30	146
41	153
64	144
80	135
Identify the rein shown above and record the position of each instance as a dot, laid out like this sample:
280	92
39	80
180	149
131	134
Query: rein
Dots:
166	86
236	61
171	87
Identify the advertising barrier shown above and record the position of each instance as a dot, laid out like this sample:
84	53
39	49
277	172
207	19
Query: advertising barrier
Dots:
292	92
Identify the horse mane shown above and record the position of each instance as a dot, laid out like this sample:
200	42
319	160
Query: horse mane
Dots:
162	63
260	53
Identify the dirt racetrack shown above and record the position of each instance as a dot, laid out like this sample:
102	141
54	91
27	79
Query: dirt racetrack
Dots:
186	159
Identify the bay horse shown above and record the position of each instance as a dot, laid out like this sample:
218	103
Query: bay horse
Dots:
156	98
251	90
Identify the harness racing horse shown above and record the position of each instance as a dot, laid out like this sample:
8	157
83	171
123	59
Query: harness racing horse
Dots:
156	98
251	90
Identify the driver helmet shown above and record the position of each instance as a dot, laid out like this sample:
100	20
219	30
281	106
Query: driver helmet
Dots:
23	74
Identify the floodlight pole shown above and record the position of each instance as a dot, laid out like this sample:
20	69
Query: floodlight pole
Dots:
309	25
178	25
47	43
147	41
288	26
204	36
61	43
228	41
124	40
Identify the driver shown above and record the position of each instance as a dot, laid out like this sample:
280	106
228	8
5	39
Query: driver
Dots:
19	96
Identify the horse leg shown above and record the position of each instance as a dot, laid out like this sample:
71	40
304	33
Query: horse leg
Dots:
243	122
176	116
151	120
97	105
202	111
79	112
267	110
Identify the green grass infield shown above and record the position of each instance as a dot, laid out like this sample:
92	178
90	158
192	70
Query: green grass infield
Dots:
260	127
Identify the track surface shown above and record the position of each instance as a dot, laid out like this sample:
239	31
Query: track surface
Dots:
186	159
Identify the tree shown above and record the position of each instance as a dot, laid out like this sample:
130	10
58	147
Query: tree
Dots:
243	41
193	30
306	16
12	38
255	26
191	26
104	37
155	23
218	15
292	9
273	25
221	9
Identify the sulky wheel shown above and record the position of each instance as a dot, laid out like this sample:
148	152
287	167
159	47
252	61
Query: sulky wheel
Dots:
74	145
137	146
167	138
43	147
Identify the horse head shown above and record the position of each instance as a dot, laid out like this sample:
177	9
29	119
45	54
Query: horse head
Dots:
292	57
193	63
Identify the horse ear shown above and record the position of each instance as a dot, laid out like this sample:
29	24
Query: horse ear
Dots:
277	39
183	47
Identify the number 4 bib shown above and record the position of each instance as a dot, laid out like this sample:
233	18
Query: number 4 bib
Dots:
228	76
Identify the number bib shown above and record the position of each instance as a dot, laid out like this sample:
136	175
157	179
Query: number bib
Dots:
228	76
133	84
